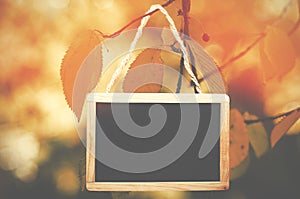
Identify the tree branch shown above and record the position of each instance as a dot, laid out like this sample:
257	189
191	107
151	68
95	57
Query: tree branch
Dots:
186	7
185	4
132	22
271	118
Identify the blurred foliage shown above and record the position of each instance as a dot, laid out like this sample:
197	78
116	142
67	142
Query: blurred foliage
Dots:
40	149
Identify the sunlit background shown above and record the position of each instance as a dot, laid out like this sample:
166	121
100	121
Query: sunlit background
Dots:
40	151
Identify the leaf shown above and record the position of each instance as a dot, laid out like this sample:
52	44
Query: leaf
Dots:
240	170
205	65
283	126
257	135
172	73
168	38
111	69
277	54
292	13
295	129
81	69
239	140
201	60
145	74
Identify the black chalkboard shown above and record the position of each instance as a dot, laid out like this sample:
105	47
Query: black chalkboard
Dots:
186	169
189	167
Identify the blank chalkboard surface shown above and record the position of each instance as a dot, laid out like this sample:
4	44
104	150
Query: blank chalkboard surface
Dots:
157	141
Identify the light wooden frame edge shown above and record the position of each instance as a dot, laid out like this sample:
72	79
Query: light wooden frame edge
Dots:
223	184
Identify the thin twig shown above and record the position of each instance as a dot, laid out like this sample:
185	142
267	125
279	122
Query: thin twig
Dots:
271	118
132	22
244	52
234	58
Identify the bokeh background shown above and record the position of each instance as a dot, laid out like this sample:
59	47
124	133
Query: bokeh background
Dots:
41	155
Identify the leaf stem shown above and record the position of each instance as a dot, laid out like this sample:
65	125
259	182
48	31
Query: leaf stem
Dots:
270	118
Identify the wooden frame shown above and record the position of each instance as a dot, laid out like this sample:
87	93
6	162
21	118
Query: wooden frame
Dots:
223	184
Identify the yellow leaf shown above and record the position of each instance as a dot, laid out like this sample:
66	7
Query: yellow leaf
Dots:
277	54
145	74
239	140
81	69
240	170
206	68
283	126
109	71
295	129
257	135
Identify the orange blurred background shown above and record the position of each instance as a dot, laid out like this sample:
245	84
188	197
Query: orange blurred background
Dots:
40	150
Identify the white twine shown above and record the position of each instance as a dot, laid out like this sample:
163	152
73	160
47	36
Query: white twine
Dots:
139	32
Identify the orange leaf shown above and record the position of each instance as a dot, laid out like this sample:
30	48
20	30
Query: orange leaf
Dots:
145	74
277	54
283	126
81	69
239	140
